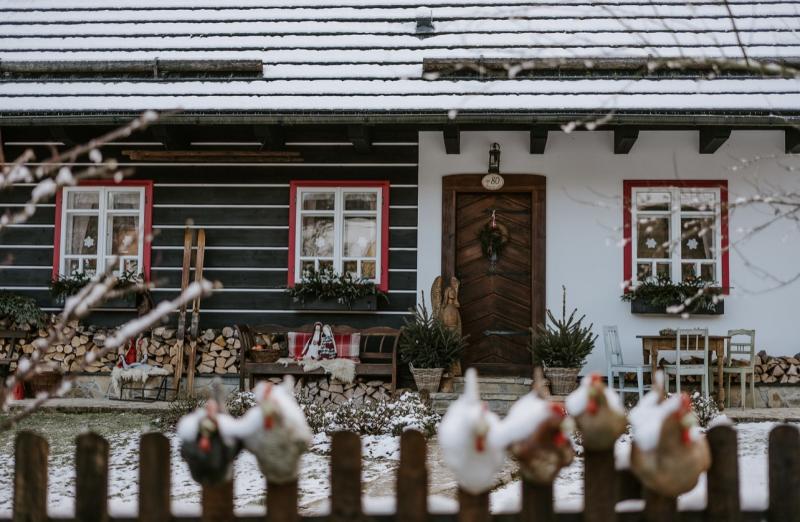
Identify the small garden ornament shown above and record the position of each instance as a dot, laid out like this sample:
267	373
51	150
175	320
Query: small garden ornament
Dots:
536	432
276	431
669	449
208	444
464	436
598	413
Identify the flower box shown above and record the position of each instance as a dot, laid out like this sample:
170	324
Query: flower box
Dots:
368	303
639	306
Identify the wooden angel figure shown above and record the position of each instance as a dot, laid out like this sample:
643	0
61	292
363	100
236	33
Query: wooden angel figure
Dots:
669	451
444	301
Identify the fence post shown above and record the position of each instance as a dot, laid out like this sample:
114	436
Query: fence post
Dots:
599	486
473	508
282	502
722	486
784	474
412	478
537	501
154	479
218	502
658	508
345	477
30	478
91	478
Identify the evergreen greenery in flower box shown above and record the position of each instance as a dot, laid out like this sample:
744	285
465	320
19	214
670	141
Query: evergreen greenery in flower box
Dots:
661	295
66	286
319	288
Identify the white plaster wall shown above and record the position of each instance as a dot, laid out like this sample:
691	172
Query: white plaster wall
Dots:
584	221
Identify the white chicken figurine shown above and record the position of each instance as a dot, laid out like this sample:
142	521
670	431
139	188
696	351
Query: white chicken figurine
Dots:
464	438
208	444
275	431
598	413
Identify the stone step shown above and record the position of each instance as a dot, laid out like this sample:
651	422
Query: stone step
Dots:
504	385
499	403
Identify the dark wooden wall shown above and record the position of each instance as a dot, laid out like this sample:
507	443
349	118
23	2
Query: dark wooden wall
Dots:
244	207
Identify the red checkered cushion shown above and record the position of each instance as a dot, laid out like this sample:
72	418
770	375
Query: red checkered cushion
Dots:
346	344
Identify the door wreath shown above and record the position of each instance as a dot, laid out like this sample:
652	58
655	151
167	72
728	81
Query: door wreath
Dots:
493	237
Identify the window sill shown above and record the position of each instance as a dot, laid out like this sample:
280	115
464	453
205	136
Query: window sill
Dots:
369	303
643	307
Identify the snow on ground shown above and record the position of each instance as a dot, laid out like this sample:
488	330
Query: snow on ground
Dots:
381	457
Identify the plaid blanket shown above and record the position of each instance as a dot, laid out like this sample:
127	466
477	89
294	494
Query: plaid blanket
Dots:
347	345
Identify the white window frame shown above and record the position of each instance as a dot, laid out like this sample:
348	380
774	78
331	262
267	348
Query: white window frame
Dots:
338	228
675	214
102	213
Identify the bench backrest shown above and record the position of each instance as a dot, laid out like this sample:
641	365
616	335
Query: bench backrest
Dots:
378	343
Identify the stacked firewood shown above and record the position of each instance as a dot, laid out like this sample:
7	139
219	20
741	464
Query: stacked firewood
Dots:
217	350
777	370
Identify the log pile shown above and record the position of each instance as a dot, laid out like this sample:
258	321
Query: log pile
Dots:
217	350
777	370
327	390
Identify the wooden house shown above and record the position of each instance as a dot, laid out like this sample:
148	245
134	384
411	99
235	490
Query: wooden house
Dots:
359	134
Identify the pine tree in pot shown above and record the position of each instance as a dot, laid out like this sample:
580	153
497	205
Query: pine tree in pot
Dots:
561	347
428	347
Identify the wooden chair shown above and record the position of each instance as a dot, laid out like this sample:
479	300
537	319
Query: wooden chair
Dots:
685	339
744	365
616	365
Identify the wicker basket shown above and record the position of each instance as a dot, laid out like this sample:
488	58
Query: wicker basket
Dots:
563	381
265	356
427	379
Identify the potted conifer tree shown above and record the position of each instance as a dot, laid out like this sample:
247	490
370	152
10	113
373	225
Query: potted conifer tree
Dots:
561	346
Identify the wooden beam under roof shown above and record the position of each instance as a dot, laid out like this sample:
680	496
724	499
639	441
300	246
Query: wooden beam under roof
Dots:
624	138
359	136
538	140
792	140
271	137
452	139
712	138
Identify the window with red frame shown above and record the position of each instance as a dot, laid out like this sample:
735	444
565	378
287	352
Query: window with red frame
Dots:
342	225
677	230
101	224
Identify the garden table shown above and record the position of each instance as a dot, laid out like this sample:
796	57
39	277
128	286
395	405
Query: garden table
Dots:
652	344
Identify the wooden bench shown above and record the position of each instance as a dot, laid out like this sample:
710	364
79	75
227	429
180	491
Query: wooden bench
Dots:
377	353
14	335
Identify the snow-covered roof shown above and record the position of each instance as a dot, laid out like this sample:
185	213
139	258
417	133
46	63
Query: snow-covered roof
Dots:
370	55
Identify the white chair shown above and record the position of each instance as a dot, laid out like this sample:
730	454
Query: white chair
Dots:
616	366
744	365
685	339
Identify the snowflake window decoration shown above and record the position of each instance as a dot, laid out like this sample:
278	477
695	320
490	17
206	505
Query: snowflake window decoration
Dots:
692	244
651	243
88	242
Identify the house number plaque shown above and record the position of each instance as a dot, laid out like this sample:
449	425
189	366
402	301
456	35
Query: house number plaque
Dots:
493	182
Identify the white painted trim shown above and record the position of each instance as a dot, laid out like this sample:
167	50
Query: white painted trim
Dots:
320	143
30	225
227	143
405	249
24	288
402	228
250	311
25	267
402	270
15	205
402	185
396	143
404	207
27	246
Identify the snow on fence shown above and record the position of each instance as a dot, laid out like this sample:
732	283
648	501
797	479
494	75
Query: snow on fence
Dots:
604	486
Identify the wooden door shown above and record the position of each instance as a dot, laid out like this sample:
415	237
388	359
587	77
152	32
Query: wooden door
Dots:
496	307
510	297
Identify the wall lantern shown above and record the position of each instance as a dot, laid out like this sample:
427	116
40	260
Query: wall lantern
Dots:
494	159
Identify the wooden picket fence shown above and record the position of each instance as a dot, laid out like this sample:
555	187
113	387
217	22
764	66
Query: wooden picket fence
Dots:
604	486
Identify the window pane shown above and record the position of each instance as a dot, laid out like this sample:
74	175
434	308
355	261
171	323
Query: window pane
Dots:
317	236
652	237
643	271
81	235
351	267
697	241
360	201
122	235
360	235
72	266
687	271
123	200
90	266
698	201
81	199
707	272
318	200
307	266
653	200
325	263
663	270
368	269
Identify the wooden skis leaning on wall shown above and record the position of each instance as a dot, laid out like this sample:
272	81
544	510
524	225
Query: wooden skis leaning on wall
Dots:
195	327
188	241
